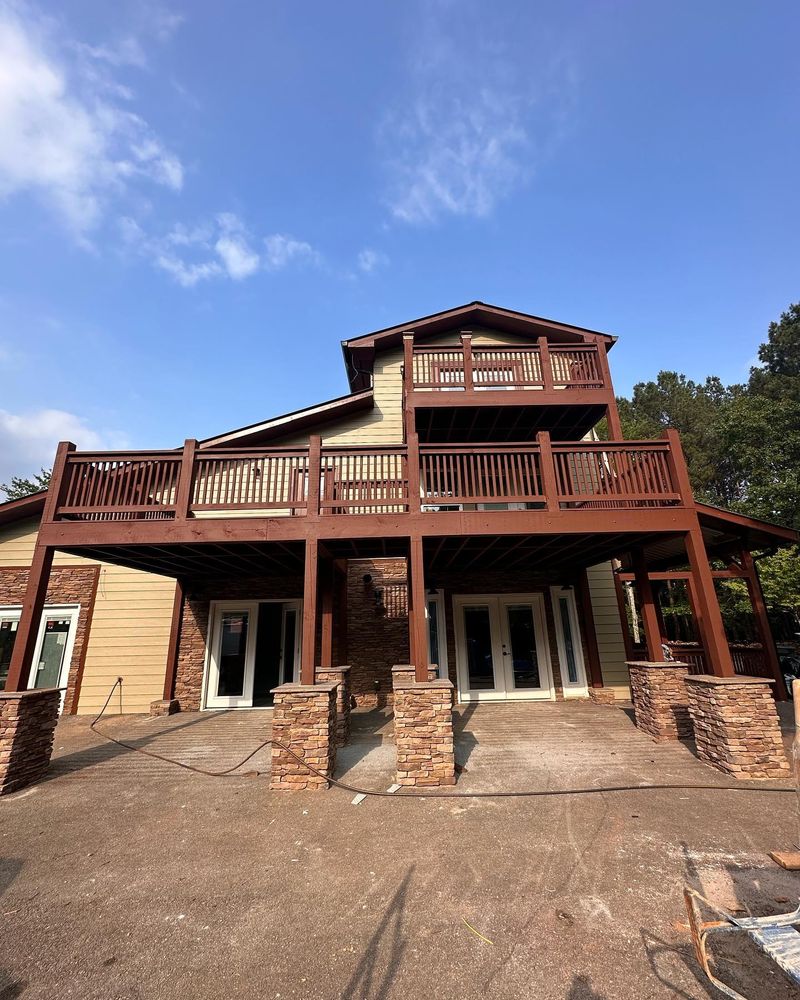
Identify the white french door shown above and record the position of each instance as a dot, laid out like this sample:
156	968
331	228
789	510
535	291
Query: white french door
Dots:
232	656
501	644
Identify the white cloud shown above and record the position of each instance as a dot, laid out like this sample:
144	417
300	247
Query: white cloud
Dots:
63	137
28	441
370	260
219	249
475	120
283	250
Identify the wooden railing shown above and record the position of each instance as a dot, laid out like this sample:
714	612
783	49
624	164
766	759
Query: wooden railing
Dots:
748	660
488	474
470	368
609	474
366	480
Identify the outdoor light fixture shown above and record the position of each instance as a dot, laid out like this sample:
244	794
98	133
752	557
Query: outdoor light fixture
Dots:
367	579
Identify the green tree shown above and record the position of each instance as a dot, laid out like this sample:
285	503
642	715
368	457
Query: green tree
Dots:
20	487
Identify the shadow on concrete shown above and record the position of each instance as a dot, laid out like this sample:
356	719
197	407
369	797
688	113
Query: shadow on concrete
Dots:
385	950
100	753
465	741
581	989
10	986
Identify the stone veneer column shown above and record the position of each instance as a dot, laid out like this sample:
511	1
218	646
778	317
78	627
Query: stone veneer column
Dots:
736	726
423	731
602	696
660	700
166	706
340	676
304	719
402	673
27	726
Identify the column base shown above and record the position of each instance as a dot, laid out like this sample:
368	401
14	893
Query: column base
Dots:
167	706
27	727
341	677
660	701
736	726
602	696
423	728
304	720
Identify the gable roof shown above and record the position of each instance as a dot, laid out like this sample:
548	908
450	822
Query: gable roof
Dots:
359	352
19	510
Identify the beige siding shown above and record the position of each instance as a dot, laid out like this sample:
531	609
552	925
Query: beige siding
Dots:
130	627
609	630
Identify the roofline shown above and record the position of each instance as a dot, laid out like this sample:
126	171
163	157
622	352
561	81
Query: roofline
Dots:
24	507
786	535
499	310
284	423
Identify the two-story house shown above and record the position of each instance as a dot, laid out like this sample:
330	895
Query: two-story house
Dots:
456	508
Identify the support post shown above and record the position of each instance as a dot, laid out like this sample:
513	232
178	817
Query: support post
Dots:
712	629
619	588
546	365
469	368
756	593
314	474
326	608
547	470
612	412
183	497
309	612
173	647
676	461
413	472
417	622
589	632
652	633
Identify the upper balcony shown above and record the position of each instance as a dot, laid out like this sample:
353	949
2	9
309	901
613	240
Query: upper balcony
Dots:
562	388
324	483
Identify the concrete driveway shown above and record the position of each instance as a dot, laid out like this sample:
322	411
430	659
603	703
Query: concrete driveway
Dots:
124	877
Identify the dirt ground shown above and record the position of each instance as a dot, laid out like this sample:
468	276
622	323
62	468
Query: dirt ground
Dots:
124	877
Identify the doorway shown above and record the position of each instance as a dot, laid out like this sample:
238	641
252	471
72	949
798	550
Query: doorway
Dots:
253	647
501	648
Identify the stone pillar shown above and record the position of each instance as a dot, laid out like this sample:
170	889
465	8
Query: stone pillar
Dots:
423	730
736	726
660	701
602	696
340	676
403	673
167	706
27	726
304	719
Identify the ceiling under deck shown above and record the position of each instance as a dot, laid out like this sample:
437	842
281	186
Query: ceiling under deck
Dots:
505	423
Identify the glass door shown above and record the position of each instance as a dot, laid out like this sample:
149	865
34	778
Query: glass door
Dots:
290	642
502	648
9	623
54	650
232	656
568	636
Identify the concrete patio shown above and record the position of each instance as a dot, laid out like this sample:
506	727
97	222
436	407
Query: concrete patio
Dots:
127	877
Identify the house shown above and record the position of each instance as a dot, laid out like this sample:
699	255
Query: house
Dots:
454	512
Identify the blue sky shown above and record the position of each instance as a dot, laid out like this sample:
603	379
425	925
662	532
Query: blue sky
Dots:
199	201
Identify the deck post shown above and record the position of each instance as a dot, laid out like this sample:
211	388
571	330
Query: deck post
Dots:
38	579
756	593
413	472
546	365
309	612
183	496
173	647
589	631
652	632
326	609
469	368
314	475
547	471
612	412
710	623
417	621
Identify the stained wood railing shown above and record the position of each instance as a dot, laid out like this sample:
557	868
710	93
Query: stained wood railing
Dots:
470	368
366	480
748	660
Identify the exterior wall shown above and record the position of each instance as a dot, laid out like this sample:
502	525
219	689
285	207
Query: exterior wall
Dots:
129	629
611	645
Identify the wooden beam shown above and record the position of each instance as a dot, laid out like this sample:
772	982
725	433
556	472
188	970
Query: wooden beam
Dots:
309	613
762	622
712	629
417	619
183	496
173	646
28	629
652	631
584	596
326	607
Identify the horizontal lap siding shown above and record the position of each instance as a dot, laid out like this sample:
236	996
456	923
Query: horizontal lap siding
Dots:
130	626
609	630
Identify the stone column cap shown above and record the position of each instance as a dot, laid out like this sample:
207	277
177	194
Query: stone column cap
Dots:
28	693
403	666
309	689
655	664
341	670
738	679
424	685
